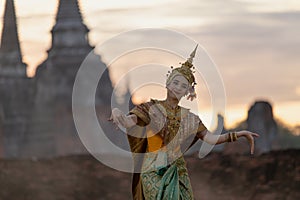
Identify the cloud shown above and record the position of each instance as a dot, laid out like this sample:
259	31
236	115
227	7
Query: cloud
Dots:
272	5
255	46
297	90
258	54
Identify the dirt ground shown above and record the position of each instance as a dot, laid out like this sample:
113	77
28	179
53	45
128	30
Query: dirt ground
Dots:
272	176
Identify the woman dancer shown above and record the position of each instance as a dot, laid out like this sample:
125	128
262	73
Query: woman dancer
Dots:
163	131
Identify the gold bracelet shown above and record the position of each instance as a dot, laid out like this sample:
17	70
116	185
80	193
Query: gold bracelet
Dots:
229	137
234	136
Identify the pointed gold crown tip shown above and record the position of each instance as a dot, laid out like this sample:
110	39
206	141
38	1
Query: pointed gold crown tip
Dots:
194	52
192	55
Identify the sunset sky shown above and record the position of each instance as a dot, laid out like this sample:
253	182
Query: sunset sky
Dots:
254	43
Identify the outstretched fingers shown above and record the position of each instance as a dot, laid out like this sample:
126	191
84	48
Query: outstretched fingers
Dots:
114	120
255	135
252	145
251	141
122	120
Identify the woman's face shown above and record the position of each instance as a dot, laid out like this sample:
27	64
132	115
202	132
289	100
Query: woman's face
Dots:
178	87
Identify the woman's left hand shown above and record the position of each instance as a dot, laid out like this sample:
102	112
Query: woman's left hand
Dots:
250	137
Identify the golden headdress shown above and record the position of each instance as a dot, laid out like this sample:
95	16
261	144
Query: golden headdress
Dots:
186	71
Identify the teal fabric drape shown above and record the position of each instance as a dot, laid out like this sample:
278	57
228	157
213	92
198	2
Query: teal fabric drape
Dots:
169	188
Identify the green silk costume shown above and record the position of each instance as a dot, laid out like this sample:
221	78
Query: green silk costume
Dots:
172	132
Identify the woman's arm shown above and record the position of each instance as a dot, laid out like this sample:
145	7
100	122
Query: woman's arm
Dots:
210	138
120	119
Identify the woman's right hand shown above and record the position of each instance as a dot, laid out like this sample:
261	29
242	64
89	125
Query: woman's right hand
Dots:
120	119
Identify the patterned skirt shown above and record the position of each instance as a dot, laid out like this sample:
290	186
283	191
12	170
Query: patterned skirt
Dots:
172	184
